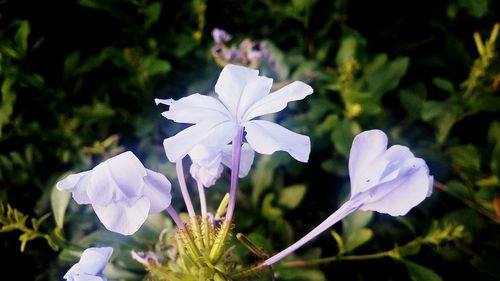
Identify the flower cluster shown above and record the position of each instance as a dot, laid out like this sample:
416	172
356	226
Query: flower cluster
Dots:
225	131
248	52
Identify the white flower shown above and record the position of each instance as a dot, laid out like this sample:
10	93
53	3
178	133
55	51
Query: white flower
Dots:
207	162
243	95
122	192
90	266
387	180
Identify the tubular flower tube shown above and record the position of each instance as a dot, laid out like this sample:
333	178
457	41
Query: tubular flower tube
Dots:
122	192
243	95
390	181
90	266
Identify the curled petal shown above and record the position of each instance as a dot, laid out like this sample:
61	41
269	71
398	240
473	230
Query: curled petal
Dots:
398	196
206	175
277	101
209	132
117	178
157	189
77	184
267	137
246	158
363	170
232	80
194	109
124	217
206	167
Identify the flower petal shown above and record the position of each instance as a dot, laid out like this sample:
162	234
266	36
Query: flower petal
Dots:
398	196
246	158
85	277
208	132
117	178
157	189
364	171
267	137
277	101
124	217
194	109
232	80
396	155
256	89
91	263
77	184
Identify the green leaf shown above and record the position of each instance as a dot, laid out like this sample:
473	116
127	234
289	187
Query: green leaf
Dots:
356	220
494	133
383	76
339	240
8	100
444	84
418	272
21	36
495	161
59	201
154	66
409	250
412	99
443	115
488	265
151	13
436	109
357	238
466	156
300	274
347	51
458	190
475	8
264	173
343	135
290	197
71	63
354	232
268	210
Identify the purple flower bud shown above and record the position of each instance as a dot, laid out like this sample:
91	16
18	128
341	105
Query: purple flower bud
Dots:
220	36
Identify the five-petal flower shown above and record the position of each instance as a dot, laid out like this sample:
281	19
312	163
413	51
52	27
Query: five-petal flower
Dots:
90	266
243	95
122	192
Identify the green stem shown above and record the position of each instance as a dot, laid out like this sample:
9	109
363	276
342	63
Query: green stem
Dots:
339	258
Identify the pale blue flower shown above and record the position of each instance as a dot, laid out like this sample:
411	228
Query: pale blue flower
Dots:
90	266
122	192
387	180
243	95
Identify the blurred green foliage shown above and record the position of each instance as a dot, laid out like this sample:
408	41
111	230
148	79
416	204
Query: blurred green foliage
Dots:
79	88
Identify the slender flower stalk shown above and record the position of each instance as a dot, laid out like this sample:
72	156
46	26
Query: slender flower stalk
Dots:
235	170
346	209
185	193
203	200
175	217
